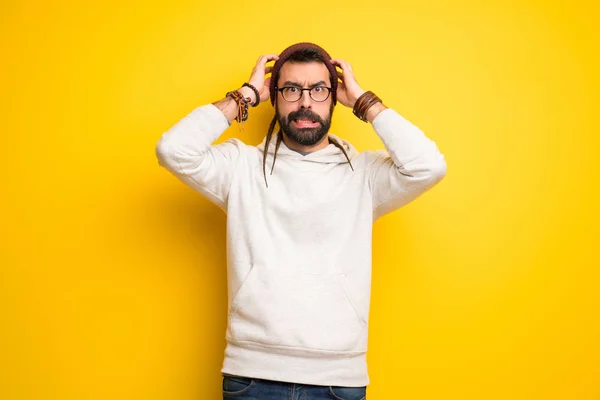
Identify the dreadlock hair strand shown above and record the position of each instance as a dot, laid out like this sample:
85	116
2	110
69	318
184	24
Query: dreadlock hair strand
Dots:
267	141
279	139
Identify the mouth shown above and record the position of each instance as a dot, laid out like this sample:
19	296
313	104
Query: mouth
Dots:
305	123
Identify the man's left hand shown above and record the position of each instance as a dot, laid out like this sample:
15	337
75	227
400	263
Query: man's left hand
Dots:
348	89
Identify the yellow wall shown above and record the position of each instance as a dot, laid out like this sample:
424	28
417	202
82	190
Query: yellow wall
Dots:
112	279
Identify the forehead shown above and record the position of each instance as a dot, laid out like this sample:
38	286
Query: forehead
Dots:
304	73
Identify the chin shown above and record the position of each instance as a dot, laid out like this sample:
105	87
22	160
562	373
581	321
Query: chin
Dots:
305	136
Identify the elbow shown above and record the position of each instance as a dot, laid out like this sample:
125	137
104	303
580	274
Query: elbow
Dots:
437	170
164	153
440	169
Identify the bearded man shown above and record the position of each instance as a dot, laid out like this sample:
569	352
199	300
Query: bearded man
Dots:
299	231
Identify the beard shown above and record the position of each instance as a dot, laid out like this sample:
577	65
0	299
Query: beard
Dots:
305	136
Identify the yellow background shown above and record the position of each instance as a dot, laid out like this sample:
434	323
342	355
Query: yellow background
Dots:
112	278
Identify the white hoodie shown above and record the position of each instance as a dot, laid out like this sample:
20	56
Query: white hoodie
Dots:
299	250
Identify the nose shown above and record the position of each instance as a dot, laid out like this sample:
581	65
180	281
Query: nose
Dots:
305	101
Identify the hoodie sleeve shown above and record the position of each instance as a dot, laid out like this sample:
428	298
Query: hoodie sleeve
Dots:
185	150
411	166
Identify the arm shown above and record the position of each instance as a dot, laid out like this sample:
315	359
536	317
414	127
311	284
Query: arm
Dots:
186	149
412	163
411	166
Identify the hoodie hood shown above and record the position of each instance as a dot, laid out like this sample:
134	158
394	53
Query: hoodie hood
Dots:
330	154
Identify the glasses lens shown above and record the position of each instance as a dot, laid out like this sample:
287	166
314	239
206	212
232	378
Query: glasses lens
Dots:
319	93
291	93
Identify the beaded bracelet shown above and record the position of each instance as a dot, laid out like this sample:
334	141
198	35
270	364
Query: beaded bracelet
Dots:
255	92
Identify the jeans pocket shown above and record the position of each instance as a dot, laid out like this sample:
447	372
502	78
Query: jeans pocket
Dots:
236	385
348	393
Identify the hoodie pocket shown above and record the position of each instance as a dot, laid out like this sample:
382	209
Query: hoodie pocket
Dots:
296	310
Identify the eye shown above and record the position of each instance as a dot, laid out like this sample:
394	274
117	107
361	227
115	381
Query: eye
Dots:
318	89
292	89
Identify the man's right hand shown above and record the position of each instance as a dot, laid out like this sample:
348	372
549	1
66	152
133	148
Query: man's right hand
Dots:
257	78
229	107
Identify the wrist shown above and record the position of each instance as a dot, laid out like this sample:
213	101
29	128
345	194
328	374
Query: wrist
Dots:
247	92
374	111
355	96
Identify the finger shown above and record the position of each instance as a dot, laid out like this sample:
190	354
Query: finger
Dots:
347	72
340	75
267	58
263	60
268	70
272	56
343	65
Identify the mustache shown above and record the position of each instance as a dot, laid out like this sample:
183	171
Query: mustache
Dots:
304	113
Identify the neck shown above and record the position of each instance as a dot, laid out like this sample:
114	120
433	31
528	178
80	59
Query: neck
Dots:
304	149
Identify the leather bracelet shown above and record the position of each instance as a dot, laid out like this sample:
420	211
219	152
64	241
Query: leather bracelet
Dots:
364	103
242	104
361	102
374	99
362	107
356	103
235	96
368	105
255	92
238	96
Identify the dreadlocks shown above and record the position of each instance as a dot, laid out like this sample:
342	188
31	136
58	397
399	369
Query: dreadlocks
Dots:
267	141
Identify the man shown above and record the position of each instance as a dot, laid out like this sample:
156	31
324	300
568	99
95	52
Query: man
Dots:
299	230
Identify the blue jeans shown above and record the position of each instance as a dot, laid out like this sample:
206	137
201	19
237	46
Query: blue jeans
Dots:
241	388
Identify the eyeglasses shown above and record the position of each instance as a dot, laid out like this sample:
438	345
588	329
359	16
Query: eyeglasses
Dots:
294	93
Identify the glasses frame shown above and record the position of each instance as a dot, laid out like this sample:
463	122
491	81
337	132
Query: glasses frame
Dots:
280	90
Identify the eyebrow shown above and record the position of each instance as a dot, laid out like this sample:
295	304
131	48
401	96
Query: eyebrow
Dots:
296	84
